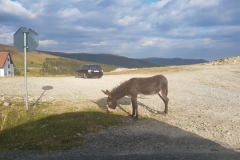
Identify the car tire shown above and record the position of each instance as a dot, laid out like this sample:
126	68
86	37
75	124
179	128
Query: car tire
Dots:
76	75
85	76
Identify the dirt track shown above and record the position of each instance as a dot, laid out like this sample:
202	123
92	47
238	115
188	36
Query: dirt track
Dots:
203	119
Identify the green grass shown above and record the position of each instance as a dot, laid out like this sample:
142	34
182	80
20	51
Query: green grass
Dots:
38	130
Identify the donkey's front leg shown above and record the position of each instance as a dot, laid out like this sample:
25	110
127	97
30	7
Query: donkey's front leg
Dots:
134	107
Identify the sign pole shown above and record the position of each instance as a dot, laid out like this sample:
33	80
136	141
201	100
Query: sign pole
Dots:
25	40
25	69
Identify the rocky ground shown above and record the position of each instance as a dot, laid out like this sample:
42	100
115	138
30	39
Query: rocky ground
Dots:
203	120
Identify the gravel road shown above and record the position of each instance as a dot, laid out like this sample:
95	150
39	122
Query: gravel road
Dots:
203	120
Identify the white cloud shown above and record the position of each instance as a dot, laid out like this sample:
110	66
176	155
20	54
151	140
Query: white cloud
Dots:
69	12
142	26
160	4
127	20
178	43
82	28
127	2
47	42
6	35
103	43
15	8
156	42
203	3
191	32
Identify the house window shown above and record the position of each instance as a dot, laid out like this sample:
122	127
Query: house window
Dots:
8	72
8	59
8	66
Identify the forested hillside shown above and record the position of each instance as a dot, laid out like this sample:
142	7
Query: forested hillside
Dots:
109	59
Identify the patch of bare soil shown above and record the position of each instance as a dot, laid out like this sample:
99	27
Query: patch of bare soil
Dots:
203	119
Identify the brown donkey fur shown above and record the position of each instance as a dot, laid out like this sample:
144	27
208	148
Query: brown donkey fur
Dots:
147	86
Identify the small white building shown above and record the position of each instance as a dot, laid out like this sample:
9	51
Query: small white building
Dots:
6	64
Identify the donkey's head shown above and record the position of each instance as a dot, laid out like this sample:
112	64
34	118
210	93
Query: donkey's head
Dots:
111	101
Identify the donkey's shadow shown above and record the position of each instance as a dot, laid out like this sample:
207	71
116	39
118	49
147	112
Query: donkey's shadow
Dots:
151	110
102	104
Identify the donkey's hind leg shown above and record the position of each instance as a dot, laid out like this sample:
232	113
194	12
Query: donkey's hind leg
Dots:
163	96
133	107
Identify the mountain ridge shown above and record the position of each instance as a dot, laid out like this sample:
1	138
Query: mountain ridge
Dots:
173	61
109	59
113	59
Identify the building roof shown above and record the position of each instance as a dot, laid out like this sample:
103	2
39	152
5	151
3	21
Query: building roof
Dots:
3	57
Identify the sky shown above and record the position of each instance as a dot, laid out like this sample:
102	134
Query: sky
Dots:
192	29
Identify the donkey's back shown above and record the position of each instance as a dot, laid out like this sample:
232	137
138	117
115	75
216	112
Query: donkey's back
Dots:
149	85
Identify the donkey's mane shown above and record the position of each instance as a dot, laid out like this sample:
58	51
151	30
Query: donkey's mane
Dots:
120	87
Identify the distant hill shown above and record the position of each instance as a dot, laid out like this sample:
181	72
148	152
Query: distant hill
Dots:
121	61
109	59
173	61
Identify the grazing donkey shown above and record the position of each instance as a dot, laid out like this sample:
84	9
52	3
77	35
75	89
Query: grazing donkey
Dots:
147	86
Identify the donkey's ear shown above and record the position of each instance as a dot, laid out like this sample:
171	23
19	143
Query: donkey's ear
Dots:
106	92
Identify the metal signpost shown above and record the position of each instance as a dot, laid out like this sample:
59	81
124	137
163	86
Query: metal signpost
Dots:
25	40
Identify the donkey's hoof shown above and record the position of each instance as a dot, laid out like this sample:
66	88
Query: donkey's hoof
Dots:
165	113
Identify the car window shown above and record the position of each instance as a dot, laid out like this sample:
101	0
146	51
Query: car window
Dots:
98	68
95	67
84	67
92	67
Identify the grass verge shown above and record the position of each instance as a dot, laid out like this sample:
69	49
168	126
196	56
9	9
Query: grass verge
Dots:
37	130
